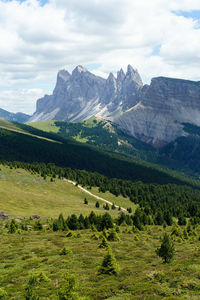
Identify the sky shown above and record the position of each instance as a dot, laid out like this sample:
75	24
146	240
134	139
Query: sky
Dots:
39	38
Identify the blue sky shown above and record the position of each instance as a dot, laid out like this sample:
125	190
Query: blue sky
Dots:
194	14
38	38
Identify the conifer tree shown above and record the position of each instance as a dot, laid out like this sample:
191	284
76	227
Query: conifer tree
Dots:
109	265
68	290
97	204
104	243
12	227
113	236
166	250
61	222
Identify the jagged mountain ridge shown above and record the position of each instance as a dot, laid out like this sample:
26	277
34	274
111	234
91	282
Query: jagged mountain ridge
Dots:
152	113
80	95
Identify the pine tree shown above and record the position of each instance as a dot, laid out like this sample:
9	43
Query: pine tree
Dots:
61	222
113	236
104	243
12	227
166	250
113	206
68	290
106	207
97	204
109	265
182	220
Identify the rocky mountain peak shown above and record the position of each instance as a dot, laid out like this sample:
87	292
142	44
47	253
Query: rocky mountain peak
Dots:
81	95
111	77
79	69
132	74
120	75
64	75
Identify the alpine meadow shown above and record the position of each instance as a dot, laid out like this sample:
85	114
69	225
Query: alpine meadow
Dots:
99	164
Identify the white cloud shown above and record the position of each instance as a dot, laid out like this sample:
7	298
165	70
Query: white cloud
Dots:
37	41
21	100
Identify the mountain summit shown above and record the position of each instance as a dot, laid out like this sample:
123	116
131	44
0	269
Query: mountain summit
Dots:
152	113
80	95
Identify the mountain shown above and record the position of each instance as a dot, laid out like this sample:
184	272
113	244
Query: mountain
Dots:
24	143
81	95
151	113
18	117
161	109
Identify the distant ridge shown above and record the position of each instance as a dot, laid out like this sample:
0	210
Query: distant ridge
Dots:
18	117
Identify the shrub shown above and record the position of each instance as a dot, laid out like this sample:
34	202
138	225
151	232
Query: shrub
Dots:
3	293
94	237
85	201
65	251
104	243
67	290
38	225
69	234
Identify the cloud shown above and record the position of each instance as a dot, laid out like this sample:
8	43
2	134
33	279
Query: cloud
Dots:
38	40
21	100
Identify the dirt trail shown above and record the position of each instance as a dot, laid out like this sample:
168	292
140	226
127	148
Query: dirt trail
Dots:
95	196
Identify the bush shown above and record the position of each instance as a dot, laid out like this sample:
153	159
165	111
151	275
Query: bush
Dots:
68	289
38	225
65	251
3	293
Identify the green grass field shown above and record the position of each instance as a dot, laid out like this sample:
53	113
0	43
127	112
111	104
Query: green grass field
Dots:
48	126
24	194
142	274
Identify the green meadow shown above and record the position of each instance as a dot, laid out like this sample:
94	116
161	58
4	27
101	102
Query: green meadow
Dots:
25	194
142	274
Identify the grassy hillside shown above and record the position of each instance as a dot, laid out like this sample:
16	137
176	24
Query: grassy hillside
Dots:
38	146
101	133
142	274
24	194
181	155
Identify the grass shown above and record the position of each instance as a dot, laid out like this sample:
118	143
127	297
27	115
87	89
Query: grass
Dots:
4	124
120	200
48	126
142	274
25	194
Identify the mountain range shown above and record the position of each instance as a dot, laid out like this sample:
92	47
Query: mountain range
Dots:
18	117
154	113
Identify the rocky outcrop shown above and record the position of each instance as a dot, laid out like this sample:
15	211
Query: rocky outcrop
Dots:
80	95
161	109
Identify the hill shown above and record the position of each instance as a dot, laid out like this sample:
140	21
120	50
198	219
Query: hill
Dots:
181	155
25	194
27	144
